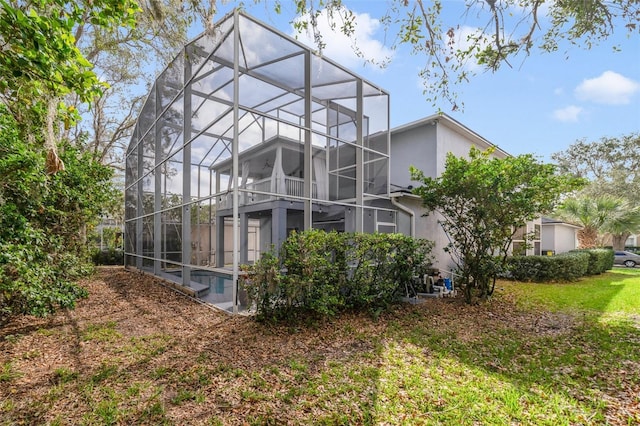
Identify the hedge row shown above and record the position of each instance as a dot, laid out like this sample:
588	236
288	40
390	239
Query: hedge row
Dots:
563	267
322	273
600	260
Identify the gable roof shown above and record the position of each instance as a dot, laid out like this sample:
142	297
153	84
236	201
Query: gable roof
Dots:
552	221
444	119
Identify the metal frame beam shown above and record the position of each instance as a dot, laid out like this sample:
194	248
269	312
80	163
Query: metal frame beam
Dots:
186	177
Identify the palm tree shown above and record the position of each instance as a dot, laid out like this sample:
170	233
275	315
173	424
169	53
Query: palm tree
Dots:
594	214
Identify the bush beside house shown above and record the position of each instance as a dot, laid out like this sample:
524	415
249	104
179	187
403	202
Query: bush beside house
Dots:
324	273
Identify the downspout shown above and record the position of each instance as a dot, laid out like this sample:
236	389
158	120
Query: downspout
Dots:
408	211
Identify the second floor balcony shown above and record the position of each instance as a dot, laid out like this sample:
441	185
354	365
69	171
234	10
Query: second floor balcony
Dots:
265	190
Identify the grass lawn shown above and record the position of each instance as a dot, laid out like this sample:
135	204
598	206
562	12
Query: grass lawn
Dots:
135	352
612	294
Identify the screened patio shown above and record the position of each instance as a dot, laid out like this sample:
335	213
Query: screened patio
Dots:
244	137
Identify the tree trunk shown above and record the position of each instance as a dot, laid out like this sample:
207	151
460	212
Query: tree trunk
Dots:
618	241
54	162
587	237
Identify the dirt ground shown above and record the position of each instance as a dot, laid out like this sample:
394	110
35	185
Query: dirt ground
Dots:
163	331
136	352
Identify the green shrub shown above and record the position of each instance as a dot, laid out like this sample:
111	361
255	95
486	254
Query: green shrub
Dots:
322	273
600	260
315	265
563	267
383	264
108	257
264	285
37	279
43	222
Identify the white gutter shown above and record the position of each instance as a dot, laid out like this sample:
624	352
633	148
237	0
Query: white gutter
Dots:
407	210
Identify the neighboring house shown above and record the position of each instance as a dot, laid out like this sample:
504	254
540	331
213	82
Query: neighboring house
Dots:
558	236
248	123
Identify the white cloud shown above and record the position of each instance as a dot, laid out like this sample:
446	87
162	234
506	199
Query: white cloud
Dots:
463	38
609	88
339	47
570	114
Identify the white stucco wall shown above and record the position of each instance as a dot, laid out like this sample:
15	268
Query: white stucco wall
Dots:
558	237
428	228
565	239
415	147
548	236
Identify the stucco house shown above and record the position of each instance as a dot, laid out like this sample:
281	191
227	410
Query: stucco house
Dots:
248	135
425	144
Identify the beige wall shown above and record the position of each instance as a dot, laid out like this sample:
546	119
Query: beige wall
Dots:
558	237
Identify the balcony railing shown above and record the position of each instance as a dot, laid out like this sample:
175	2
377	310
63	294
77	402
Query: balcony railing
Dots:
292	185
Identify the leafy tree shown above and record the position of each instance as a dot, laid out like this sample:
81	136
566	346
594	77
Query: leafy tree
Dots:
481	202
512	29
40	62
621	226
592	213
612	166
45	207
123	59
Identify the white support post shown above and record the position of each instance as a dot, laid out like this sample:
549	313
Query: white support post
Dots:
359	159
308	147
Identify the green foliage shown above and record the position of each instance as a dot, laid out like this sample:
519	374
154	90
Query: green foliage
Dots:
41	63
316	265
600	260
614	176
617	171
324	273
39	45
109	256
44	217
384	265
510	29
598	215
563	267
483	201
42	222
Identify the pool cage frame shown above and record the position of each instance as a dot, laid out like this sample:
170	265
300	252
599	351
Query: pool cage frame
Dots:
244	137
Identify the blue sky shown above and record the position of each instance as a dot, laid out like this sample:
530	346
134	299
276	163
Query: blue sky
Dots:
542	105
